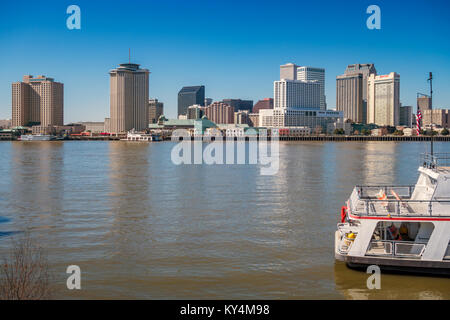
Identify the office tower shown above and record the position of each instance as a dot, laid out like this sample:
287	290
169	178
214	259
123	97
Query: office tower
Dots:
406	116
239	104
189	96
423	102
36	101
383	99
294	94
314	74
195	112
253	119
351	91
266	103
155	110
219	112
288	71
128	98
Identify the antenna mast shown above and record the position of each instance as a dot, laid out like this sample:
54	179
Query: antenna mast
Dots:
129	55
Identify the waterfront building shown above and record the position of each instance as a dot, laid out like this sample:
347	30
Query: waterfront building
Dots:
345	125
424	102
238	104
189	96
266	103
219	112
437	117
129	89
93	127
155	110
37	101
351	91
293	94
315	119
383	99
406	116
195	112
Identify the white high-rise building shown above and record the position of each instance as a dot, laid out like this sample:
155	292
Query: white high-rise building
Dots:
293	94
314	74
383	99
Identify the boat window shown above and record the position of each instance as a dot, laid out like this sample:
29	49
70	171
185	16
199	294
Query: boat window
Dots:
419	232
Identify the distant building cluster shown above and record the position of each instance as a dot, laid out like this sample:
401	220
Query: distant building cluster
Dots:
365	102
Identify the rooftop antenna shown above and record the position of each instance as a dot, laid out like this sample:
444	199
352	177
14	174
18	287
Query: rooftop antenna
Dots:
129	55
430	79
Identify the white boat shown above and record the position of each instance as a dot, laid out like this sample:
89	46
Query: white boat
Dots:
400	228
142	137
37	137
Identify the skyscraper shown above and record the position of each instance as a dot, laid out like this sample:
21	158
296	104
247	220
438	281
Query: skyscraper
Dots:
292	94
128	98
383	99
351	91
155	110
314	74
189	96
423	102
288	71
406	118
36	101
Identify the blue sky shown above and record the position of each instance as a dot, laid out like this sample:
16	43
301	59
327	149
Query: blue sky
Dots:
234	48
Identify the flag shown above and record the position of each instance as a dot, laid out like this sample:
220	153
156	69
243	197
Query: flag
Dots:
418	118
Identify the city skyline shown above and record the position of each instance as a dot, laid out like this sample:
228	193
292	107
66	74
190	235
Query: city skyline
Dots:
81	59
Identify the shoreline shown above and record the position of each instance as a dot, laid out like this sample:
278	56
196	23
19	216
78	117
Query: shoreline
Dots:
298	138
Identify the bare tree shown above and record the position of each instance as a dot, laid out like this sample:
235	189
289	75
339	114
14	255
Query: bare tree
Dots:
24	274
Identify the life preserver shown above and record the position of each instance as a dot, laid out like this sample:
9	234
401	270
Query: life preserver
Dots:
343	213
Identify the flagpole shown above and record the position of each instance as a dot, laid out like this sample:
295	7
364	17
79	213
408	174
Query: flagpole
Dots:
431	111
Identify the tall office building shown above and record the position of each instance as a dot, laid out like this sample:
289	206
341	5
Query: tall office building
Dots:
288	71
351	91
406	116
293	94
239	104
195	112
423	102
155	110
128	98
314	74
189	96
383	99
36	101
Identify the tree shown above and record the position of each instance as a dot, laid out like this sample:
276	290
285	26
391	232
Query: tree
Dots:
24	275
445	132
398	133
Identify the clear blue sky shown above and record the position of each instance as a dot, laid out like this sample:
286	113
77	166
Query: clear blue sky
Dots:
234	48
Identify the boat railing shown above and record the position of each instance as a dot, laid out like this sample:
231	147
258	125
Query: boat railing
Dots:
345	244
405	249
394	199
436	160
